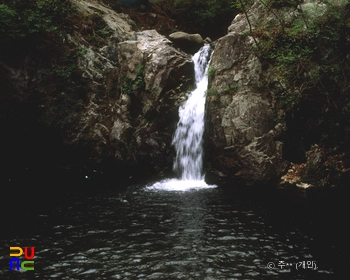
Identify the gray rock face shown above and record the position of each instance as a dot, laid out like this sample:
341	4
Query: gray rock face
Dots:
240	24
167	72
164	66
243	138
260	15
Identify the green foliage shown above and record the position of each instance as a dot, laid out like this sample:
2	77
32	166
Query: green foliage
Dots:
23	19
241	4
210	11
33	29
204	17
50	14
294	52
9	19
258	85
95	30
212	92
105	31
127	85
63	67
7	15
232	88
310	57
281	3
139	81
211	71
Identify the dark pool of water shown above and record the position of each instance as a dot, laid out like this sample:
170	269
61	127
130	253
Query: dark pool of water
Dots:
135	233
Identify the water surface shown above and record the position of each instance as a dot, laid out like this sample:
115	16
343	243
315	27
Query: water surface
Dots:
149	233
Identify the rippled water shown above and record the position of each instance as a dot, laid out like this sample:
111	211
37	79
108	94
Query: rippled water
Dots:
142	233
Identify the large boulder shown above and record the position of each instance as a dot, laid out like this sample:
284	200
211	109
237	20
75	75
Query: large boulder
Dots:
189	43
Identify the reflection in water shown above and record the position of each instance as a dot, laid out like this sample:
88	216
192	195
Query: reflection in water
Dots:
143	233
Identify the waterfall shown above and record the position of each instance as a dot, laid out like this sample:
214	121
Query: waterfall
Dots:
188	136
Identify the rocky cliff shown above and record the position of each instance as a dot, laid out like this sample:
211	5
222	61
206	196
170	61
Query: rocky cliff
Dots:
262	74
241	128
104	90
150	81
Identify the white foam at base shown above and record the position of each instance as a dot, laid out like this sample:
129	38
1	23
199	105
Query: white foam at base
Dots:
180	185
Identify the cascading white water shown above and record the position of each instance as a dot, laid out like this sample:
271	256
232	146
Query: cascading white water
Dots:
188	137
